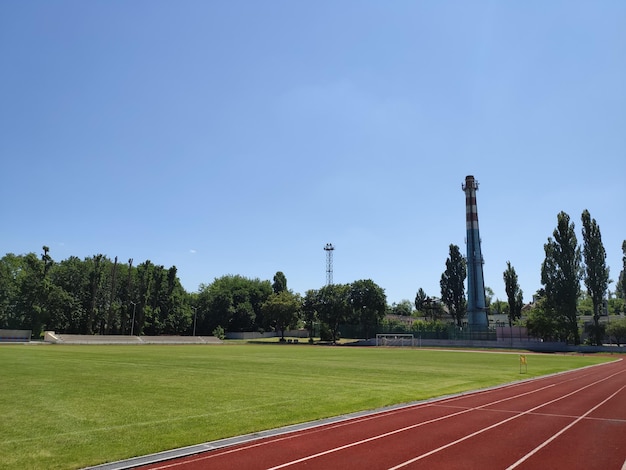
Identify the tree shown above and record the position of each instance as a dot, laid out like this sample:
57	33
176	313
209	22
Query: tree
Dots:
404	308
499	307
309	311
420	298
596	272
234	303
542	323
620	289
513	292
127	299
282	310
333	307
176	315
368	302
45	294
144	288
617	331
432	308
31	299
453	284
21	292
488	297
9	266
280	282
561	274
112	300
615	305
84	296
68	314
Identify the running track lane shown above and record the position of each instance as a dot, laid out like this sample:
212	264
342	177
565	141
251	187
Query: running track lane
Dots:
572	420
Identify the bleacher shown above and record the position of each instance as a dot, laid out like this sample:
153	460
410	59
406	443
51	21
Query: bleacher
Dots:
15	336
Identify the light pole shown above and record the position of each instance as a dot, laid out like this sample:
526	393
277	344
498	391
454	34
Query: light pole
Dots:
195	316
132	326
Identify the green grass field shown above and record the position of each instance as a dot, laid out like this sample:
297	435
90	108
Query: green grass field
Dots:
75	406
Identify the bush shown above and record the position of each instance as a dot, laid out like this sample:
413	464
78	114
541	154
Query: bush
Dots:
392	325
592	332
219	332
326	334
543	323
429	325
616	330
430	329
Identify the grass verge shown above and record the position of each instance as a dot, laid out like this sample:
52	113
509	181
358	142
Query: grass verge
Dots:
75	406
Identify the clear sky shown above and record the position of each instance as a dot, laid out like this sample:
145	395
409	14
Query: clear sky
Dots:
239	137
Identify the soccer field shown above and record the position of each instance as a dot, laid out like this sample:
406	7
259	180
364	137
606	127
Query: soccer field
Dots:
75	406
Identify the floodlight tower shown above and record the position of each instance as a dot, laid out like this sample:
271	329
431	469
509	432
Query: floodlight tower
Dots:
476	302
329	263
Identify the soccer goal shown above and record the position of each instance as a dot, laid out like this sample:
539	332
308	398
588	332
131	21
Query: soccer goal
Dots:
395	339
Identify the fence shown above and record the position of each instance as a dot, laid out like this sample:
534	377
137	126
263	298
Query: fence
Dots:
513	334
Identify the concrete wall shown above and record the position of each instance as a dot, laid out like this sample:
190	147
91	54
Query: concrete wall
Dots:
537	346
268	334
52	337
10	336
249	335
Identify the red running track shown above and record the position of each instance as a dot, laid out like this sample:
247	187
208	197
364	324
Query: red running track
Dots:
567	421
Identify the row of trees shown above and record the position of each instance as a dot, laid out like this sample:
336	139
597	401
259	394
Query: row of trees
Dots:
97	295
566	264
100	295
236	303
556	313
452	286
89	296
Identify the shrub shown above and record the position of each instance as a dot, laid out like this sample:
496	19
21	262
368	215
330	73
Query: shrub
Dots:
326	334
592	332
616	329
392	325
429	325
219	332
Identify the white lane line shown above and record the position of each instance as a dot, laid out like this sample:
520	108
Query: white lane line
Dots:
407	428
376	416
438	402
345	423
480	431
538	448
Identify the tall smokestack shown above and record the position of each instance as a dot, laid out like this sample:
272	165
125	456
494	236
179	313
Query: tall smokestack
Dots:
476	303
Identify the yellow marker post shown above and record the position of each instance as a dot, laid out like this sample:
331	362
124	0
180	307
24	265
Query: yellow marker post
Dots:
522	362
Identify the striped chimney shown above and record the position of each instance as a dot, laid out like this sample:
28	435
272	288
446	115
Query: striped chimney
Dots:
476	302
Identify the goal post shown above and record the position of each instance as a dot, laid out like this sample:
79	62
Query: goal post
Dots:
395	339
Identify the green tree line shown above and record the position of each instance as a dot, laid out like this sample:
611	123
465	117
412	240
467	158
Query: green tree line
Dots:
99	295
95	295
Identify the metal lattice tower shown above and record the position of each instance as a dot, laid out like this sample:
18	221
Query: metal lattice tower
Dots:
329	263
476	302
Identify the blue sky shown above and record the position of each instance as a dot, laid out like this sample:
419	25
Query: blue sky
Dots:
239	137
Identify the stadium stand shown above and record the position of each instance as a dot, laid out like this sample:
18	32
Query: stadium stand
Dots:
15	336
